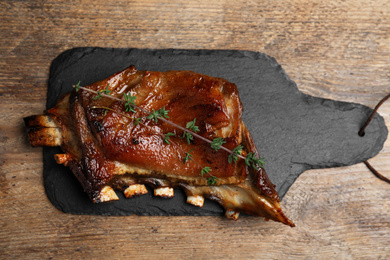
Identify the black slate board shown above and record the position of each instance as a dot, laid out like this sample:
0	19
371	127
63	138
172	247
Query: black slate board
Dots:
293	131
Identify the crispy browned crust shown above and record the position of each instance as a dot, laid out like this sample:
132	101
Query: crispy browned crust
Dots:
104	152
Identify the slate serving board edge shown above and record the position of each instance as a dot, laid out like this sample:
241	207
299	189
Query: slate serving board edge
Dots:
72	56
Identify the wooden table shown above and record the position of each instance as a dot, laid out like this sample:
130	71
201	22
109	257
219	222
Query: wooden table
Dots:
332	49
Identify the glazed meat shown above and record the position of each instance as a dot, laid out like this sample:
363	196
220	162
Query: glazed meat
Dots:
158	129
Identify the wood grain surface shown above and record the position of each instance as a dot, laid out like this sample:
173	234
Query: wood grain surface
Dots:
333	49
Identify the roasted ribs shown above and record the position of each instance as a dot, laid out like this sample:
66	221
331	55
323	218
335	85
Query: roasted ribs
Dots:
115	143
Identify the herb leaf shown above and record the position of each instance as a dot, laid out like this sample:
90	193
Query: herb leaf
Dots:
154	115
217	143
212	180
159	113
163	113
99	95
137	121
233	156
77	87
205	170
129	105
188	156
191	126
188	137
106	91
166	137
252	160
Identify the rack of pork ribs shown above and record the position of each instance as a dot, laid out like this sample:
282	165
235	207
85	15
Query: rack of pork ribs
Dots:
107	150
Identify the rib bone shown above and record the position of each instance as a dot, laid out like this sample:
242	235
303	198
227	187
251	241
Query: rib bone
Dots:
43	131
135	190
231	214
62	158
196	200
165	192
107	194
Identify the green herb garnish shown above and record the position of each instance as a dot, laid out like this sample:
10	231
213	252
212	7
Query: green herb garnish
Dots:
137	121
252	160
77	87
205	170
212	180
190	126
167	136
235	153
217	143
106	91
129	105
188	156
155	115
99	95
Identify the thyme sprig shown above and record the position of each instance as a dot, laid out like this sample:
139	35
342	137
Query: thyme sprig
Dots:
212	180
233	156
190	128
205	170
129	105
113	110
100	92
167	136
191	125
188	156
77	87
99	95
217	143
137	121
106	91
155	115
252	160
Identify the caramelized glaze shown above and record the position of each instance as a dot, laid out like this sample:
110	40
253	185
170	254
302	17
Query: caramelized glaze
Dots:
107	150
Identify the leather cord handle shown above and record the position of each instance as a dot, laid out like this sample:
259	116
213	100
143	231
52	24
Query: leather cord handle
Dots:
361	133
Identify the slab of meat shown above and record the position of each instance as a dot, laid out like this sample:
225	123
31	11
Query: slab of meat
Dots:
154	129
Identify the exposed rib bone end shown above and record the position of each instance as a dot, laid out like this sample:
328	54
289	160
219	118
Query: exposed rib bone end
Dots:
165	192
62	158
107	194
231	214
45	136
43	131
196	200
135	190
